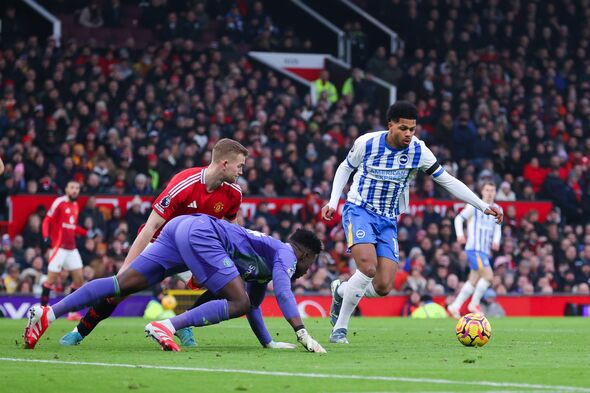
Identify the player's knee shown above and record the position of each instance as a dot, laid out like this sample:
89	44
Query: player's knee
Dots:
367	267
383	288
487	275
240	306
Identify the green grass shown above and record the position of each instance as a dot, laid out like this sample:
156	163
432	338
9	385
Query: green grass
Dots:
548	352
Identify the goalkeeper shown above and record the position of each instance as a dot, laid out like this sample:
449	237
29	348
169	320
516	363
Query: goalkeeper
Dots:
219	255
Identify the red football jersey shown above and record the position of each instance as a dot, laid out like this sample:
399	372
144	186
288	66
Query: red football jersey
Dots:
186	193
61	223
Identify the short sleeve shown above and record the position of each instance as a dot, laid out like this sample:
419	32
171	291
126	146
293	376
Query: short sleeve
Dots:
236	203
356	153
428	163
167	202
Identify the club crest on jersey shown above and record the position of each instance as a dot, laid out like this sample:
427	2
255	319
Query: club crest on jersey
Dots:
165	202
229	263
218	207
403	159
360	234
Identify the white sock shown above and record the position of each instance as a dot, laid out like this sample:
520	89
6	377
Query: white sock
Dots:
466	291
480	288
342	288
355	290
50	315
168	324
371	292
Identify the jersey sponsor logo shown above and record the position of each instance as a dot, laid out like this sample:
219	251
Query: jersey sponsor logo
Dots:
165	202
403	159
251	269
360	234
218	207
388	174
193	205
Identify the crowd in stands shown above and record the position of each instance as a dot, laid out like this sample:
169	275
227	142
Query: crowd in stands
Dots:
502	88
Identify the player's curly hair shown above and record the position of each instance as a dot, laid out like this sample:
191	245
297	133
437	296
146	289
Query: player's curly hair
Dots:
402	110
307	239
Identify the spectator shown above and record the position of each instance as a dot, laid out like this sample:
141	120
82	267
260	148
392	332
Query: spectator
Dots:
91	16
505	193
429	309
325	88
135	217
113	13
90	210
491	308
32	232
11	278
11	26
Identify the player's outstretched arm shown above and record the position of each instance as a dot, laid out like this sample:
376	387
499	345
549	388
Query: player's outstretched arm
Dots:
288	305
256	292
144	237
462	192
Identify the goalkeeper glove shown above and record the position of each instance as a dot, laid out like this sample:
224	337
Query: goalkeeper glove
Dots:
308	342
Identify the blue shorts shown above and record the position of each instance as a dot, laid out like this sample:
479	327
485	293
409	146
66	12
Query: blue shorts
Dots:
363	226
477	260
188	242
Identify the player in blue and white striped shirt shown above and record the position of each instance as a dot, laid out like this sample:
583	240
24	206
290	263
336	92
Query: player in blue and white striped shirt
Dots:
386	162
483	234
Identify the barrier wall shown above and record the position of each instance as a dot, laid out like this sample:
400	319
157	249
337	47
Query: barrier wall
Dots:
22	206
319	306
16	307
391	306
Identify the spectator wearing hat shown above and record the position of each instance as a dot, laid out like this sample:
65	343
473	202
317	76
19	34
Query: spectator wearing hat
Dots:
490	307
505	193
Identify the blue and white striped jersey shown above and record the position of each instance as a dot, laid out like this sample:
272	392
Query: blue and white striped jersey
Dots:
381	183
482	229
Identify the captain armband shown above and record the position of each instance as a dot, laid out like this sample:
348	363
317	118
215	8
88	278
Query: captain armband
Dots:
435	170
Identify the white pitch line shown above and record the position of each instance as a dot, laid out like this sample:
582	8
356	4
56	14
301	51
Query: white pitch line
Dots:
310	375
455	391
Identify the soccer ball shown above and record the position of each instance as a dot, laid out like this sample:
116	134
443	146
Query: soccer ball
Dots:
474	330
169	302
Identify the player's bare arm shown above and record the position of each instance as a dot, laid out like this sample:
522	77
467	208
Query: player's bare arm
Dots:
154	222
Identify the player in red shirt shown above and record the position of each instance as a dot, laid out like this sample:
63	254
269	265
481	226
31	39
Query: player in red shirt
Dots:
210	190
60	227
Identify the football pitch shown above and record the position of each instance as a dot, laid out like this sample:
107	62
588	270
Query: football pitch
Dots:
384	355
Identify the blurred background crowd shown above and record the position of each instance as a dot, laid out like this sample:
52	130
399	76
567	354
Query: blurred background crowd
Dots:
501	97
